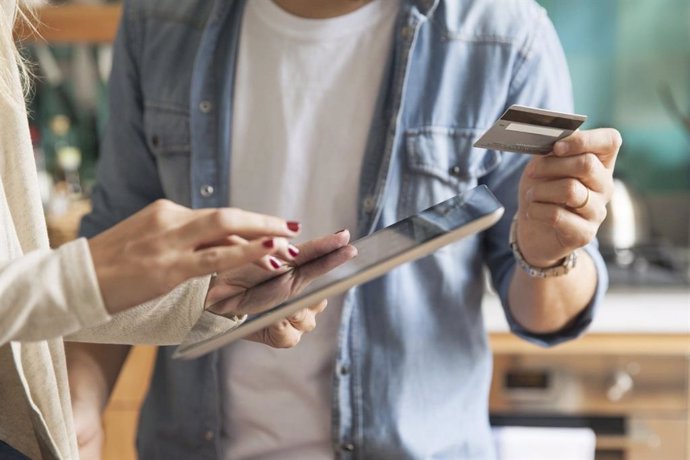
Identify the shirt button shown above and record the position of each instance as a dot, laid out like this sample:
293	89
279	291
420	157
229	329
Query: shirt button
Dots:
343	369
205	106
455	171
206	190
369	204
209	435
347	447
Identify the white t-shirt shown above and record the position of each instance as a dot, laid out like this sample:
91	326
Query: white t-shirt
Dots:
305	94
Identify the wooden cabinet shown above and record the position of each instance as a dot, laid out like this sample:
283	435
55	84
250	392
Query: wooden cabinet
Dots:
121	415
632	391
73	24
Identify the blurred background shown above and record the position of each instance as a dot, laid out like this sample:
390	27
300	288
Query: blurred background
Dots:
621	392
630	66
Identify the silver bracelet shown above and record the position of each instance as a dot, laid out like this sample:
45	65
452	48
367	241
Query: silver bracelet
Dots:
560	269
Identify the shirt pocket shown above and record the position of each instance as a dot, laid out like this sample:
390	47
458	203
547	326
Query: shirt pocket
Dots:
167	134
440	163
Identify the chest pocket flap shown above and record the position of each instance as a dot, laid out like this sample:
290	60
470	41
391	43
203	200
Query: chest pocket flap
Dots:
167	130
168	138
440	163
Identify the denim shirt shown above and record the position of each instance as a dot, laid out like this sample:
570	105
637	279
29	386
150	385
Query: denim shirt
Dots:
413	366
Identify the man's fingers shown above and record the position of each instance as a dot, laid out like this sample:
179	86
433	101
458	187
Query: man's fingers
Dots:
217	224
587	168
572	230
603	142
570	193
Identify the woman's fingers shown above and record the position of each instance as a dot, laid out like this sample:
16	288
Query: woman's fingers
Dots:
278	257
214	225
320	246
319	307
222	258
304	320
285	252
288	332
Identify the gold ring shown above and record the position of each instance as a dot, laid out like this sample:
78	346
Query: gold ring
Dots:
585	202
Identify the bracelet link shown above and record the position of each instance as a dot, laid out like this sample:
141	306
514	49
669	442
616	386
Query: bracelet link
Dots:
561	269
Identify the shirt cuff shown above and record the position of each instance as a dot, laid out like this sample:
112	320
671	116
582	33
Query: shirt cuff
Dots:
578	325
81	284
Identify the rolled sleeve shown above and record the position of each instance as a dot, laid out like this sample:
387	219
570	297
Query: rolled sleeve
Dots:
46	294
540	79
578	325
176	317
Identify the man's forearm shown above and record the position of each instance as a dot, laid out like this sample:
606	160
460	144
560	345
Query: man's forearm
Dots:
545	305
93	370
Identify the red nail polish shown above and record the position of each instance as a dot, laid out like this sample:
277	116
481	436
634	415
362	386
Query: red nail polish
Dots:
274	263
293	226
268	244
294	252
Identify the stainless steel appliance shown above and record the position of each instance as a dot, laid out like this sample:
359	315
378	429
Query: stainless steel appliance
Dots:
634	254
636	405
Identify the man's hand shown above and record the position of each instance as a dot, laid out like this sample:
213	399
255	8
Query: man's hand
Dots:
233	293
563	196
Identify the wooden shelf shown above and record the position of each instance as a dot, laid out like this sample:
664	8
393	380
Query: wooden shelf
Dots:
74	24
599	344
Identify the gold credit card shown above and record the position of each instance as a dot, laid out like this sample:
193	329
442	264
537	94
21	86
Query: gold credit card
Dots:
529	130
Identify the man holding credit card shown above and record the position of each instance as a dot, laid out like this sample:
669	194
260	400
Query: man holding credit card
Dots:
355	115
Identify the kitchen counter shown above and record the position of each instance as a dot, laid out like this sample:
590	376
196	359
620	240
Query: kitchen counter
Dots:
633	320
629	310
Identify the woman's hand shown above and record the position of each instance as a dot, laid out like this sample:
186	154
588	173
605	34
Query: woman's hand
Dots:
233	293
88	424
164	244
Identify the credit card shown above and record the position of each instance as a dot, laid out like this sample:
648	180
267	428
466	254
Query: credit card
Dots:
529	130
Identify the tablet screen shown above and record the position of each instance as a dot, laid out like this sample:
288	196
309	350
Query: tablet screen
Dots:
373	255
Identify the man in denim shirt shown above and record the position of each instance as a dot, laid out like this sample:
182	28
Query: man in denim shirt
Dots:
410	368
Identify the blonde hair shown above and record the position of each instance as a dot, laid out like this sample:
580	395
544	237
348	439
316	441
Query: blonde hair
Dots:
11	61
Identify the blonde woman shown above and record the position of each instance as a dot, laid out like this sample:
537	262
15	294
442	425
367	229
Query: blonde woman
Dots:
47	294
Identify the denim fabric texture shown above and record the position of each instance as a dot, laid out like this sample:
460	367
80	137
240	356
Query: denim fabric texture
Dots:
7	452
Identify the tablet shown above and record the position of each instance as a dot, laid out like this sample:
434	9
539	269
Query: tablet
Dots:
334	273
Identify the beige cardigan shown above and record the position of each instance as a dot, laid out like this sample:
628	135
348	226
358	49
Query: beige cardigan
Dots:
45	295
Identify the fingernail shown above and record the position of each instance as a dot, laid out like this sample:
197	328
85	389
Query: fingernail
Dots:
293	226
340	231
274	263
268	244
294	252
529	194
560	148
